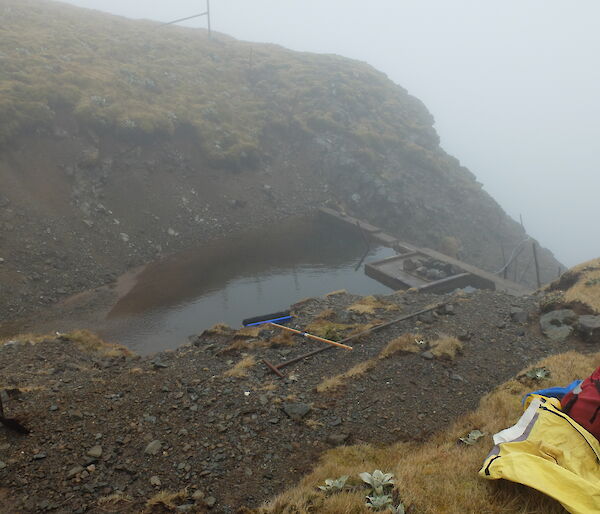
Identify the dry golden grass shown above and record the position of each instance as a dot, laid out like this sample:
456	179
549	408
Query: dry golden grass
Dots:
439	476
220	329
117	502
336	293
85	340
405	343
329	329
249	332
370	304
29	337
166	499
313	423
89	342
586	289
280	339
446	348
241	368
327	314
338	381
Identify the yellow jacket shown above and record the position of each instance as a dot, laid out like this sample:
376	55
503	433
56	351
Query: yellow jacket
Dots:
550	452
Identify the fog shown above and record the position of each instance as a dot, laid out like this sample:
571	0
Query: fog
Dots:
513	85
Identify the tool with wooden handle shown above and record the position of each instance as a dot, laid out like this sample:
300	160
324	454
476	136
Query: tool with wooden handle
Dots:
270	319
310	336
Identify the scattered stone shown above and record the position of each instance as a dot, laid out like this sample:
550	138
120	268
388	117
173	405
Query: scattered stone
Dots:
2	465
427	355
335	422
74	471
296	411
155	481
158	364
124	237
210	502
426	317
337	439
95	452
556	325
153	448
448	310
198	495
186	507
53	408
518	315
589	327
39	456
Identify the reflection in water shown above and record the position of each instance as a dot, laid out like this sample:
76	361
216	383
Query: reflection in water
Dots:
228	281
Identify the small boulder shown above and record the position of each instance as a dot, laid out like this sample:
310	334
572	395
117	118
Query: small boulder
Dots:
557	325
74	471
518	315
153	448
95	452
296	411
589	327
337	439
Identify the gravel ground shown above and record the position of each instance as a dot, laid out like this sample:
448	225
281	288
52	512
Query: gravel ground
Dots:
129	427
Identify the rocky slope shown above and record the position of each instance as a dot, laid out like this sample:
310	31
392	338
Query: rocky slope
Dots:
120	143
111	432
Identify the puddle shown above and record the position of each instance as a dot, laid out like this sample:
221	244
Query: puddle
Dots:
226	281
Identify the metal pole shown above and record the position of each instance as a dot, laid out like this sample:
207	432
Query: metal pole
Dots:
208	16
537	265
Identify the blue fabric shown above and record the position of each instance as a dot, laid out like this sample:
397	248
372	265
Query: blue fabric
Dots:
554	392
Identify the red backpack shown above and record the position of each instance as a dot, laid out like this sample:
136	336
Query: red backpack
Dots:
582	404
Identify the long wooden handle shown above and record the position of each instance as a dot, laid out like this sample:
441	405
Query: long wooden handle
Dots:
310	336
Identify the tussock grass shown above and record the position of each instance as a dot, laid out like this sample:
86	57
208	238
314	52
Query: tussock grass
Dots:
280	339
338	292
220	329
439	476
117	502
446	348
586	287
339	380
85	340
404	343
165	499
329	329
125	76
29	337
241	368
90	342
370	304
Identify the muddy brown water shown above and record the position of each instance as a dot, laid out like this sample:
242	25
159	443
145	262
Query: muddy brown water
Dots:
226	281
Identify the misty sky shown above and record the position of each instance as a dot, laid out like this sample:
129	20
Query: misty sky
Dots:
514	86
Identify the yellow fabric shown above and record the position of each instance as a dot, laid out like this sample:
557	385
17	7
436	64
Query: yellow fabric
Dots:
554	401
554	455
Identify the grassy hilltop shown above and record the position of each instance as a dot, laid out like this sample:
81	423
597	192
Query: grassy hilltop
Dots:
141	80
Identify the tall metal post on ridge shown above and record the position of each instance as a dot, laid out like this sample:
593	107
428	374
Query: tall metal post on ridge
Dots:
208	17
205	13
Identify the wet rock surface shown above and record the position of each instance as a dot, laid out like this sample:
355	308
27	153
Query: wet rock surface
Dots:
103	425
